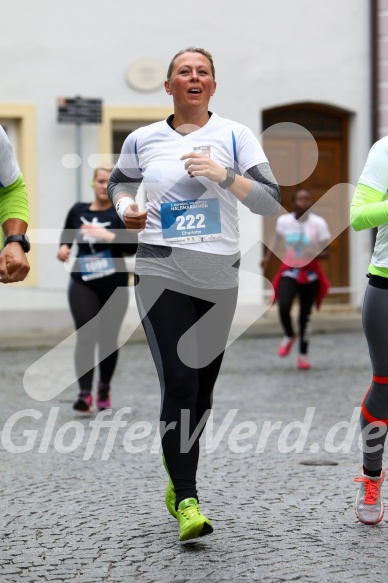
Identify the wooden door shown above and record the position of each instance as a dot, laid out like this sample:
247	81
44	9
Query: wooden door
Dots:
288	158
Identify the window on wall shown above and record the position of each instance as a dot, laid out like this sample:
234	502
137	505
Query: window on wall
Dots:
10	127
120	130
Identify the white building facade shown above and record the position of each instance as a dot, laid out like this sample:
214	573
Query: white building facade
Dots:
276	61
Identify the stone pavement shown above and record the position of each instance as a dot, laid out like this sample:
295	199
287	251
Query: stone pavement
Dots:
45	331
88	508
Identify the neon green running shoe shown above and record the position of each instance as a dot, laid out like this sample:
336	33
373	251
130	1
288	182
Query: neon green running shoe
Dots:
192	522
169	496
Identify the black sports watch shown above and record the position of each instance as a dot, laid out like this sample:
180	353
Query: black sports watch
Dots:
230	176
22	239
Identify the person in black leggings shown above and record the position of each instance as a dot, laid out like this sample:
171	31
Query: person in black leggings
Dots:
305	237
98	288
187	373
289	289
196	166
368	209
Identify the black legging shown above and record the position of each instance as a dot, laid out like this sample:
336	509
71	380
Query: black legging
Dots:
375	404
102	328
289	288
187	369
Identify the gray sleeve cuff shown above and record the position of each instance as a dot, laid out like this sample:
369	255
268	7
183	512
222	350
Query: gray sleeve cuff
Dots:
264	196
119	183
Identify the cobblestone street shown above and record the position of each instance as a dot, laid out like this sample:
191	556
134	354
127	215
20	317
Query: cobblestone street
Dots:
95	515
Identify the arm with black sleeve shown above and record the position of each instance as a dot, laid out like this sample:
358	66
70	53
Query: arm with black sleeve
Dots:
69	229
124	242
68	235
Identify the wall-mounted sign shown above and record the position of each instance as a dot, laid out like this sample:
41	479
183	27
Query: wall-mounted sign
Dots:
146	75
79	110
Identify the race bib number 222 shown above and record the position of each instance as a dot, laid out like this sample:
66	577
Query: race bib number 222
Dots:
191	221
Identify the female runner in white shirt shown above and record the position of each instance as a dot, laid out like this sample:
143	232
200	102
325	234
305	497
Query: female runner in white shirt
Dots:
195	166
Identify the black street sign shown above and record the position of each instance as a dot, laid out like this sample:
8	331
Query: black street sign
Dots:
78	110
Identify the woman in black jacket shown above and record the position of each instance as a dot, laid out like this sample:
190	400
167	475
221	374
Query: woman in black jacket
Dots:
98	273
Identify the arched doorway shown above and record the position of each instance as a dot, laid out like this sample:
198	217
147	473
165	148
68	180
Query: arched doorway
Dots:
329	127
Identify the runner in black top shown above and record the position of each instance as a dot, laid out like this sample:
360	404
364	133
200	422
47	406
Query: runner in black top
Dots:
99	271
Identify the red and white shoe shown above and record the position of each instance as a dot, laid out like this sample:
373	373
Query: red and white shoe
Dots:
369	507
303	362
285	346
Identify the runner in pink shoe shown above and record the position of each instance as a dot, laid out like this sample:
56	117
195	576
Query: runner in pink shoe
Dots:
305	237
99	271
368	210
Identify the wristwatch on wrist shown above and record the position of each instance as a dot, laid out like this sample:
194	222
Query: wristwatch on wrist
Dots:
230	176
22	239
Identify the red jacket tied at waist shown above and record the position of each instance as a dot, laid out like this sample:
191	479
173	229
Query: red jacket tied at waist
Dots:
315	266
